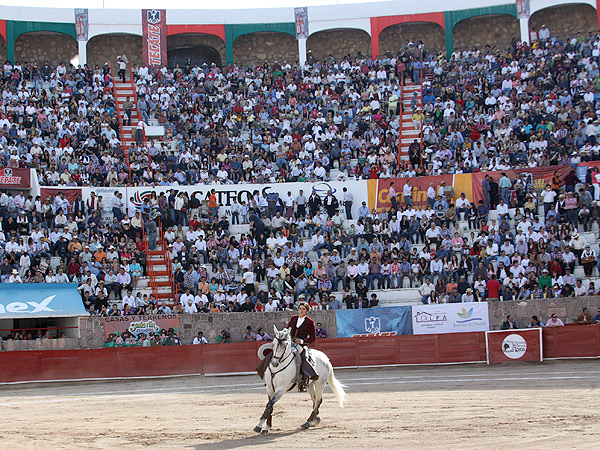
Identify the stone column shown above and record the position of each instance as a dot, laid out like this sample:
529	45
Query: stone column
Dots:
524	24
302	51
82	52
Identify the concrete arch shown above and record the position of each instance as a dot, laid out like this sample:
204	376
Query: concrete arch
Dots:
393	37
478	31
104	48
234	31
40	46
338	43
195	45
23	27
260	47
565	20
451	18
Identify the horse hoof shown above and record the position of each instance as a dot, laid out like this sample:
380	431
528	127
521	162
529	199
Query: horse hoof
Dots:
263	432
306	425
257	429
317	421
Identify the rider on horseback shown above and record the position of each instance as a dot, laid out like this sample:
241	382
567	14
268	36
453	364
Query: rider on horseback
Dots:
303	332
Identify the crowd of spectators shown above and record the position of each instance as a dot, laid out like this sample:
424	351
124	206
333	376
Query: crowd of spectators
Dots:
483	109
487	108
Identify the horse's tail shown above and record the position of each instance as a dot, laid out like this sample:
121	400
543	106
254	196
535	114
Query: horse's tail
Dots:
337	388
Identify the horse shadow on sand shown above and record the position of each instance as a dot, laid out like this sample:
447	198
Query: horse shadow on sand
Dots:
249	441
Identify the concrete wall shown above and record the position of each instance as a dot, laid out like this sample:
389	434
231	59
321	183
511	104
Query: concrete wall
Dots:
394	37
53	47
105	48
236	323
92	329
495	30
564	21
339	43
257	48
567	309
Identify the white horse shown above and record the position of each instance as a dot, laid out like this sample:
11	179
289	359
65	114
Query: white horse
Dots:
282	373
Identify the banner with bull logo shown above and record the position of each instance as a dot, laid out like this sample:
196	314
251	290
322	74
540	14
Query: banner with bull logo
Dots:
154	28
385	321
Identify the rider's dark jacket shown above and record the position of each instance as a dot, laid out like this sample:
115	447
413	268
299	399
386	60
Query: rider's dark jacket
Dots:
307	331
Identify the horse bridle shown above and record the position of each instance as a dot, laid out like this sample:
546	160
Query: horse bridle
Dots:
281	359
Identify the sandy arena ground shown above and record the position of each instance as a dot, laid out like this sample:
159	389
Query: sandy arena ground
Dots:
554	405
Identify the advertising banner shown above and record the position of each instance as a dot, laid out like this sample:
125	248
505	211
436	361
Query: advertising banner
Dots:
154	28
514	345
81	24
225	192
15	178
70	193
419	190
583	167
23	301
139	324
537	176
385	321
301	15
522	9
450	318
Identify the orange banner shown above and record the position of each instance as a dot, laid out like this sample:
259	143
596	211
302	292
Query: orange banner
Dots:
419	190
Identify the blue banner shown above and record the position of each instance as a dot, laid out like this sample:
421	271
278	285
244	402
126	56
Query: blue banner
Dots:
21	301
374	321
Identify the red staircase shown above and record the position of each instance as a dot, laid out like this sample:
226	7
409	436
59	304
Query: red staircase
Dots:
121	92
160	271
408	133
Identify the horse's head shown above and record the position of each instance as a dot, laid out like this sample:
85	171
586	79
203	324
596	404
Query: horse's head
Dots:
281	344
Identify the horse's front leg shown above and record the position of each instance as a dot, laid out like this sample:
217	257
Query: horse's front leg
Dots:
315	389
267	414
311	390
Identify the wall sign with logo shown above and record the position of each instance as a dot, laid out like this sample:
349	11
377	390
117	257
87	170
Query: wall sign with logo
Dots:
385	321
140	324
514	345
450	318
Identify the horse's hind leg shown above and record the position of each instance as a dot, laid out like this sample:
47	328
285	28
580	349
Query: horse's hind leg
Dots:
267	414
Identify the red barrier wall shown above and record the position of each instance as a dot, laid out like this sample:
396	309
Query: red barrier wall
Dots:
571	341
565	342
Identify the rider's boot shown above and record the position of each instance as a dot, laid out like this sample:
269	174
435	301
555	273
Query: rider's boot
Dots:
302	383
264	364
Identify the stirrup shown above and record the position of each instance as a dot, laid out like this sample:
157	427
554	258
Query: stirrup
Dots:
302	387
